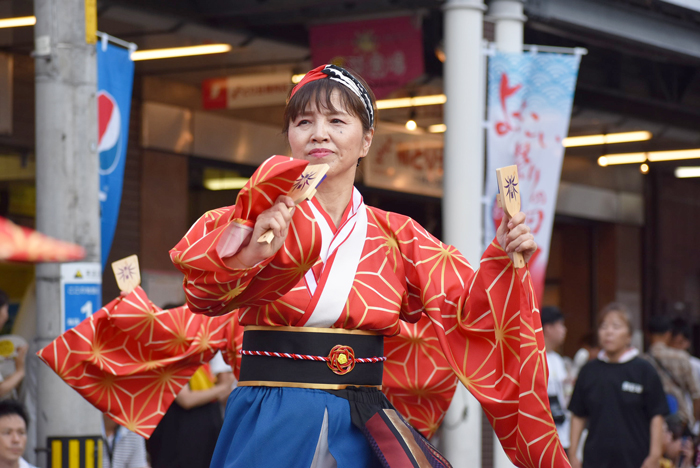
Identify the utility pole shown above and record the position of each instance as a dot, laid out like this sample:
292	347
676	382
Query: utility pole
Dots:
67	202
463	189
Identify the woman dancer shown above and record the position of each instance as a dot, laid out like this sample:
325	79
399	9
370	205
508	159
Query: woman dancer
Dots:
341	273
317	303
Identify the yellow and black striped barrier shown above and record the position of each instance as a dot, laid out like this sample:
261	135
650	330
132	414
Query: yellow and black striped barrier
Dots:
75	452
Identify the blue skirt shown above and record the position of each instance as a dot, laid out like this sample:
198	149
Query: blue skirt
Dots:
273	427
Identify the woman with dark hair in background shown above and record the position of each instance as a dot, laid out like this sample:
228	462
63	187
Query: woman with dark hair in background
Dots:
619	397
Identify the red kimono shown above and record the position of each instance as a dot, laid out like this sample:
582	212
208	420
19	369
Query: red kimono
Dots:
377	271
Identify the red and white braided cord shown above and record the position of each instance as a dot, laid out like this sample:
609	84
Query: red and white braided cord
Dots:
307	357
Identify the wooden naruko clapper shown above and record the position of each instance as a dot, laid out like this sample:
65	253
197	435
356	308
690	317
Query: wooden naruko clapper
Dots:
509	200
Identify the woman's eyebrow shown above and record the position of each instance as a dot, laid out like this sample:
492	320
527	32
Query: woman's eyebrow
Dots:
337	112
324	111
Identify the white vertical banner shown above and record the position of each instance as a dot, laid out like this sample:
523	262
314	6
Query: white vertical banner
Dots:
529	106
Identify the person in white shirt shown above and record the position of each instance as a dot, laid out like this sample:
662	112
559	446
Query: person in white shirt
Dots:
554	332
681	334
122	448
13	435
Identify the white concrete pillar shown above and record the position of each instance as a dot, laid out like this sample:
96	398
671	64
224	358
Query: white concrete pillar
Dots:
463	188
509	21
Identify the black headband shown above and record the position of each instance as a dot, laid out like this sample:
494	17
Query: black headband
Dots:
343	77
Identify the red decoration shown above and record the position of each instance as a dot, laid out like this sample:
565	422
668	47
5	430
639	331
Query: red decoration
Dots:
341	359
21	244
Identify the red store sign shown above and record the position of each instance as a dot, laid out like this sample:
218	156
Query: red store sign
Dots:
246	91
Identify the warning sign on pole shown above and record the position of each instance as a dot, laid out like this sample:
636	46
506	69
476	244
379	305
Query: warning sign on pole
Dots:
81	292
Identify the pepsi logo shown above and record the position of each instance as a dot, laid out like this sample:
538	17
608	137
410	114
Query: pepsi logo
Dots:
109	123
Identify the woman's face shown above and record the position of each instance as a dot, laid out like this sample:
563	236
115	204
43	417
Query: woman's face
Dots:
614	334
336	139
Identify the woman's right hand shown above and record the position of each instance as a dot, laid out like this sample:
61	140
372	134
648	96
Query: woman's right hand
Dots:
278	218
574	461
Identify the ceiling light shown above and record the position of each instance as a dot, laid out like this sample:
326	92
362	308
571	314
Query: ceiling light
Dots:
226	183
297	78
686	172
152	54
651	156
606	139
438	128
644	168
629	158
411	125
17	22
655	156
431	100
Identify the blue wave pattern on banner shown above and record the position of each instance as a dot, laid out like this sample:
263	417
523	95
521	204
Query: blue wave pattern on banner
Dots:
115	76
551	78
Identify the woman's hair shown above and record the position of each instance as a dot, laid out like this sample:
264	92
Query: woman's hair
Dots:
621	311
318	93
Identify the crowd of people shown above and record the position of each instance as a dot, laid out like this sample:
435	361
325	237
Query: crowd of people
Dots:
617	407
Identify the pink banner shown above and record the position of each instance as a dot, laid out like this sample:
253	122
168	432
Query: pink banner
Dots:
388	53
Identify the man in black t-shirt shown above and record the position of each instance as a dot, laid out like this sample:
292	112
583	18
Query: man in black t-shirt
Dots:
618	400
619	397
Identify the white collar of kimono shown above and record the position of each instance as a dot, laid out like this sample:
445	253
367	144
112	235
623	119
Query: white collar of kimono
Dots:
626	356
340	253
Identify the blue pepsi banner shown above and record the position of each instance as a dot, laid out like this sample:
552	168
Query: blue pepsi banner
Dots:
115	77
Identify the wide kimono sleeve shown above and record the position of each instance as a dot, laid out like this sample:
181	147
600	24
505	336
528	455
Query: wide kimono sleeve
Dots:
131	359
211	286
418	381
488	326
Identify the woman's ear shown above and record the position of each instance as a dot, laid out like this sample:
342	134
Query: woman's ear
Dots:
367	142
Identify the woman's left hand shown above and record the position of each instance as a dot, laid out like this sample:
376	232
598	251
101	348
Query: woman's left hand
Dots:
514	236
